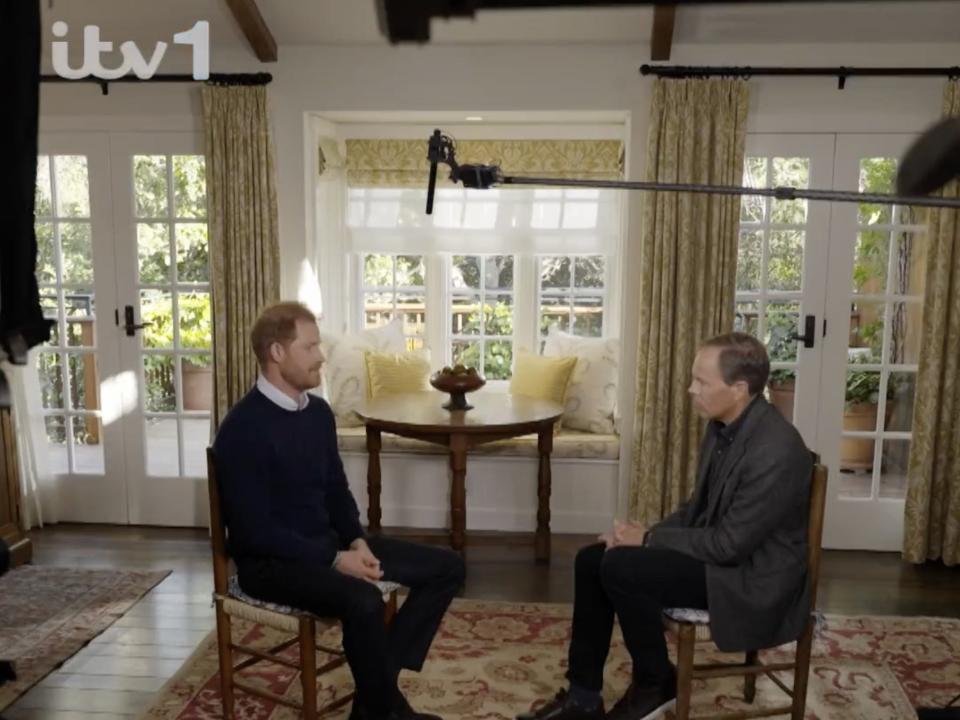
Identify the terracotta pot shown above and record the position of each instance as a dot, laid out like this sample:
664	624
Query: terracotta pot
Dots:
781	397
197	387
857	453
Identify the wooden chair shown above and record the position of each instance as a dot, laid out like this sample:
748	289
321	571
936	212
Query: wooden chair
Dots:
232	602
690	625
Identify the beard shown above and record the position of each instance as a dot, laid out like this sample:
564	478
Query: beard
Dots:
301	379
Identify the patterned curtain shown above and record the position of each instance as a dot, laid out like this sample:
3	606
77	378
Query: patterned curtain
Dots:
687	277
403	163
932	521
244	238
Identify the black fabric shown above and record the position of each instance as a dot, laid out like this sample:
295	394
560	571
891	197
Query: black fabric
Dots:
4	557
374	653
634	584
284	492
21	319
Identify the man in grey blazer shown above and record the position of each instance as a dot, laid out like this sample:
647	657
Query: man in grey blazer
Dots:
738	547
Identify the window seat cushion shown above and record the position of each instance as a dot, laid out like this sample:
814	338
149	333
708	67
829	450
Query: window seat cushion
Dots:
566	444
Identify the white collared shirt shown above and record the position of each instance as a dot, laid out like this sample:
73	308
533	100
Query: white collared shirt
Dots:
278	397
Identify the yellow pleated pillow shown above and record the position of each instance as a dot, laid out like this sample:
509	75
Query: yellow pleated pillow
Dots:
544	378
392	373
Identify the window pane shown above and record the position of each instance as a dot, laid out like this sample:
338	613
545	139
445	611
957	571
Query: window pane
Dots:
555	272
163	447
861	397
189	186
158	375
76	252
153	251
783	320
901	389
413	310
555	310
377	270
877	175
466	315
480	215
747	318
150	186
466	353
87	445
43	202
56	426
580	215
51	380
195	324
498	315
546	215
790	172
84	382
856	467
588	316
894	462
866	331
755	172
196	383
196	437
785	264
910	265
411	271
870	262
79	302
46	263
377	309
749	259
781	389
498	272
497	359
72	186
192	258
906	325
465	272
588	271
81	333
156	308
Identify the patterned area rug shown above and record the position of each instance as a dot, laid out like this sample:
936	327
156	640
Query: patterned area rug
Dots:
47	614
492	660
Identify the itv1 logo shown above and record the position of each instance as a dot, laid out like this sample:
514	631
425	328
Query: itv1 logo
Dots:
198	37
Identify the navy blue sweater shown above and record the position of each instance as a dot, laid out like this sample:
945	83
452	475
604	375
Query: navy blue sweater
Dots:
282	486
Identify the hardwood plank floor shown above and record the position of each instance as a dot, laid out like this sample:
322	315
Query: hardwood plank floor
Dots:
117	674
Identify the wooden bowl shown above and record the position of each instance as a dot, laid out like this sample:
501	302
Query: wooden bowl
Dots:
457	385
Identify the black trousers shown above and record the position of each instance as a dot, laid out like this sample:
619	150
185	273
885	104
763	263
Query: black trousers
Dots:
375	654
635	584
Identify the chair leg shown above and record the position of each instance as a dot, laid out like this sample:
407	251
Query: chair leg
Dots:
801	672
686	638
226	661
750	681
308	667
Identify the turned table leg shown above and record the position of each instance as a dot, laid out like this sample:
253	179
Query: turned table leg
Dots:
542	539
373	480
458	492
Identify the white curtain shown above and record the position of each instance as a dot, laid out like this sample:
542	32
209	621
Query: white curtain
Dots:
38	491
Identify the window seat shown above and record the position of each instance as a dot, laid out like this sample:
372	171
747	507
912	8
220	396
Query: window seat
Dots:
566	444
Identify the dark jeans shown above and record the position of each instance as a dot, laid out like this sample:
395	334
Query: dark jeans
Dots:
635	583
375	654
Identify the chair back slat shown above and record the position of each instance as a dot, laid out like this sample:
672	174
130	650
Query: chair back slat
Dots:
218	535
818	499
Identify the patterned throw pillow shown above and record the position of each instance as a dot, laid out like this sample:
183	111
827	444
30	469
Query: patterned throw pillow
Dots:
345	377
541	377
592	397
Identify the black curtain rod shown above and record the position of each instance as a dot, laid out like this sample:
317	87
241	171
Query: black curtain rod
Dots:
841	73
215	79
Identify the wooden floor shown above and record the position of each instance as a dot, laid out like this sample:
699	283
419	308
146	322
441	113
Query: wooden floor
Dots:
118	673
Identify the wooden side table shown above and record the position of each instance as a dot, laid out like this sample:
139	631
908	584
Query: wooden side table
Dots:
495	416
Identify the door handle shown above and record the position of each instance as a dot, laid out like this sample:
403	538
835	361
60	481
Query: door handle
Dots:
129	325
810	332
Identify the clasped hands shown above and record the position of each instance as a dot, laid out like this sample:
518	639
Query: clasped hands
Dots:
359	562
624	534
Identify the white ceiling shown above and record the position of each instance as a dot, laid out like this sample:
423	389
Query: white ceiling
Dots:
323	22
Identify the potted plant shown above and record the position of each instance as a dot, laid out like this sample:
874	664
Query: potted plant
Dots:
196	372
861	400
782	386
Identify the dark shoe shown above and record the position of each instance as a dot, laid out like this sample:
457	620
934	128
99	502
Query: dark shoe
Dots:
562	707
403	711
644	702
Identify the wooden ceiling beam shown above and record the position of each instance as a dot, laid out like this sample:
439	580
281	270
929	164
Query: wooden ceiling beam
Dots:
254	27
661	37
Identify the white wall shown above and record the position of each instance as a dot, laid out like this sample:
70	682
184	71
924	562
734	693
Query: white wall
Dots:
504	78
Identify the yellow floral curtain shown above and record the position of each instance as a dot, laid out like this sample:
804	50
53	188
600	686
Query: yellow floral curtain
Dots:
687	277
932	520
403	163
244	235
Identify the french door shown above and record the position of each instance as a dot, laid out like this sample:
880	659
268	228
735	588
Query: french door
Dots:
835	291
126	380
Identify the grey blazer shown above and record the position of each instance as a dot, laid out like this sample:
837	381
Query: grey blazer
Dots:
755	542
